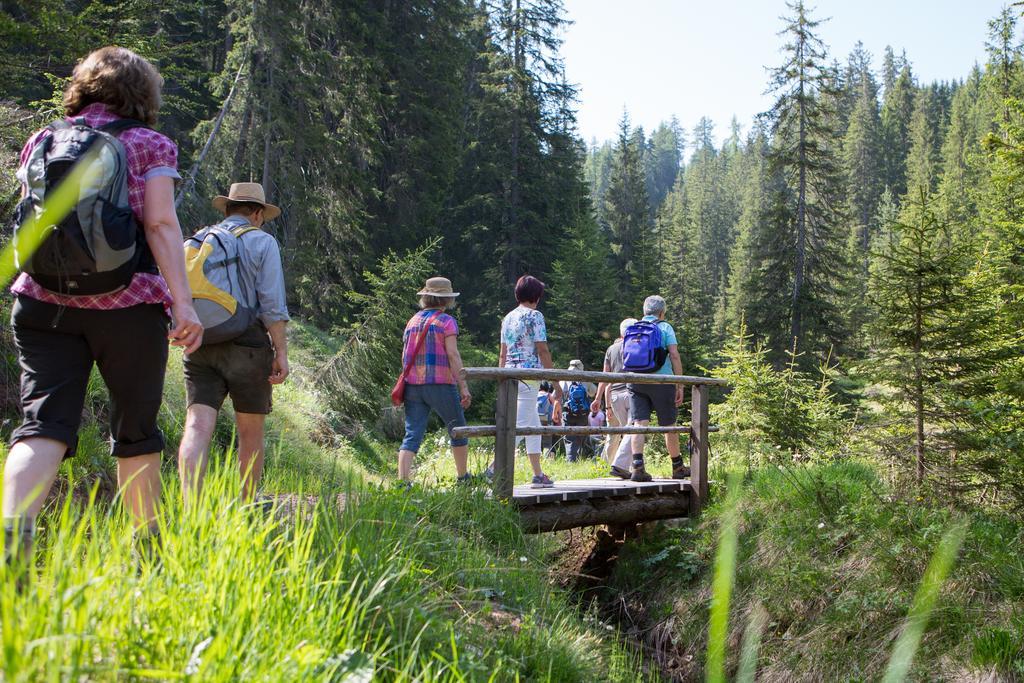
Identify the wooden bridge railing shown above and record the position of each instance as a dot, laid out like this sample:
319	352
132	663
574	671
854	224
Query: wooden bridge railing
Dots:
504	428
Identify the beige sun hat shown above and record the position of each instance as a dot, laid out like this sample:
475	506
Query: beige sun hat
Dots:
575	364
437	286
247	192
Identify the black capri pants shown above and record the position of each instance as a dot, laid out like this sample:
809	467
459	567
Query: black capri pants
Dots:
57	347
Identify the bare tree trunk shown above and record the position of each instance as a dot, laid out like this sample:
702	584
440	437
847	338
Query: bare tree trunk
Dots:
918	380
268	132
796	330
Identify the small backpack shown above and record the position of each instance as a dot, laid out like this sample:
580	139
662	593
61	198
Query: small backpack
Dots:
643	347
213	264
577	403
98	246
543	405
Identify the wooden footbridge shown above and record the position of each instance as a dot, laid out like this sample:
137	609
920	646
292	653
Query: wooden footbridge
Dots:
590	502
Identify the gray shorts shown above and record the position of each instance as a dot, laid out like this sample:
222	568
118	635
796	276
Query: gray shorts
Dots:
659	398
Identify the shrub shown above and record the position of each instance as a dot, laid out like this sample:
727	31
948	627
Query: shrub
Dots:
770	412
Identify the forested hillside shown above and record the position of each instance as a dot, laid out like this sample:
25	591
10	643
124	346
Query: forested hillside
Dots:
850	261
868	223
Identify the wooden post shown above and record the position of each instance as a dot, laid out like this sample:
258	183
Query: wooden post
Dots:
698	448
505	409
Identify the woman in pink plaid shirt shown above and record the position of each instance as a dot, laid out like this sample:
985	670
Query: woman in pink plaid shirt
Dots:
60	337
430	352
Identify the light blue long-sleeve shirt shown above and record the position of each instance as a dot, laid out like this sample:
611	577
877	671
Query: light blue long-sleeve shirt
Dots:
262	273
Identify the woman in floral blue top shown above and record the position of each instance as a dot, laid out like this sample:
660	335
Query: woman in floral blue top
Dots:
524	344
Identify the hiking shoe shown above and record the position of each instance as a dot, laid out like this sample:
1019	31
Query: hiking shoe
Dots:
465	480
680	471
541	481
620	473
640	474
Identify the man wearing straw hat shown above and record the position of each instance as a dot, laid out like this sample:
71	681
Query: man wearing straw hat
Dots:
247	364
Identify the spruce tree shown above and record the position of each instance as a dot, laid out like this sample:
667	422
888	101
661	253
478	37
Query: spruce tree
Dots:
923	161
585	299
962	160
897	108
744	288
627	210
863	162
664	160
807	211
930	332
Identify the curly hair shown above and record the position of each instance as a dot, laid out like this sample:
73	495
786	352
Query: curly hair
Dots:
125	82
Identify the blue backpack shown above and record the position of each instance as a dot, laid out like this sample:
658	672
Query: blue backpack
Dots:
643	347
544	405
577	404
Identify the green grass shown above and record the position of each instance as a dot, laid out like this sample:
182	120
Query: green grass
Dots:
834	561
436	583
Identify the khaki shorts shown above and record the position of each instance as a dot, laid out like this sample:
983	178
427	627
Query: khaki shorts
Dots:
239	368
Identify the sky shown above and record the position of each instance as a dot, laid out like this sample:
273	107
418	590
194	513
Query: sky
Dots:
693	58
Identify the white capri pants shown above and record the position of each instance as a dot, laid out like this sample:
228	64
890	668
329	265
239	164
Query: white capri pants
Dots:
527	415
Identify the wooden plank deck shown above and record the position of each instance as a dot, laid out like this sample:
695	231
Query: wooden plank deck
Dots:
585	489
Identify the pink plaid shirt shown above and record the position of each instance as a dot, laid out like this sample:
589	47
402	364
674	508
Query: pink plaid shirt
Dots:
150	154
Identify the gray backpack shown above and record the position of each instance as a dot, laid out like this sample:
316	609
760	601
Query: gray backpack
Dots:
99	245
222	301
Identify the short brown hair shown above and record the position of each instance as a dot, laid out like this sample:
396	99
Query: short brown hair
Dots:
125	82
529	289
246	209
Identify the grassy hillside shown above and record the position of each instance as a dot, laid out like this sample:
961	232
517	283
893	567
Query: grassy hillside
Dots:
361	581
834	561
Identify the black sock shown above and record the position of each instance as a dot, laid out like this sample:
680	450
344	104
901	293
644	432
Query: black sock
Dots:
678	462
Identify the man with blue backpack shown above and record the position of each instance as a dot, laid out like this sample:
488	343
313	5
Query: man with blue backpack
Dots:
650	346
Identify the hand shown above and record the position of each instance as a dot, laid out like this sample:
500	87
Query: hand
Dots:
595	407
279	370
187	331
467	397
679	395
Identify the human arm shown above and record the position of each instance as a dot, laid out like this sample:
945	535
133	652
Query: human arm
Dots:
163	235
279	338
502	354
602	390
677	369
544	354
451	347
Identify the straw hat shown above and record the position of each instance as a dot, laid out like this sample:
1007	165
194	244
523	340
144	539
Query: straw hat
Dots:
575	364
437	286
247	192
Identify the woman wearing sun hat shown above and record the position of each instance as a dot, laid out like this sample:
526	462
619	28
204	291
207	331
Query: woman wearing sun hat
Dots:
430	355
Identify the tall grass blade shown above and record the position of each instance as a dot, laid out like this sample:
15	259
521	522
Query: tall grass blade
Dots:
721	587
751	645
924	603
37	226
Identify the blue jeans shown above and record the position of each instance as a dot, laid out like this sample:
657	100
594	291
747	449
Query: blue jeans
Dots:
420	399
